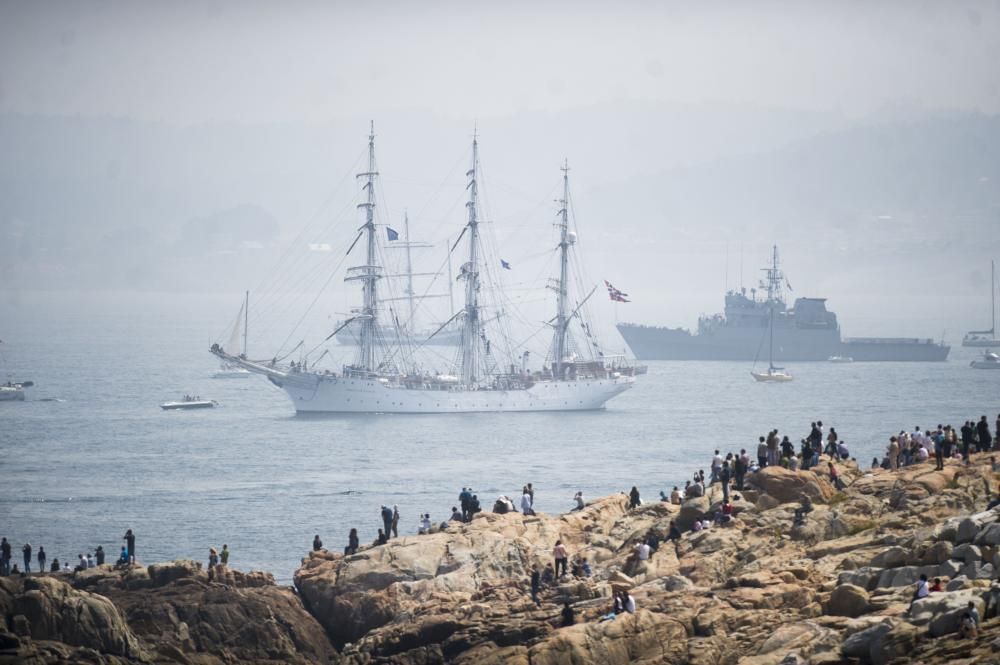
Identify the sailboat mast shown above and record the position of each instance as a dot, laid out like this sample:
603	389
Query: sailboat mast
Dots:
559	346
470	331
451	280
409	269
369	272
770	342
993	298
246	322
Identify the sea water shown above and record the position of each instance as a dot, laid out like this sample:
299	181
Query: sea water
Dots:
91	454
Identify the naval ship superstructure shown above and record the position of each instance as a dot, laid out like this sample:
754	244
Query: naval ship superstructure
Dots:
807	331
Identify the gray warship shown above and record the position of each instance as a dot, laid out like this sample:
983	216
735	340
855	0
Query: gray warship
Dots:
807	331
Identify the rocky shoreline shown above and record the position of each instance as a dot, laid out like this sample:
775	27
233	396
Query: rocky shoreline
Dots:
759	590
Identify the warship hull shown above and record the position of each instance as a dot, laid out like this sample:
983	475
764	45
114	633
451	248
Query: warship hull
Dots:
798	345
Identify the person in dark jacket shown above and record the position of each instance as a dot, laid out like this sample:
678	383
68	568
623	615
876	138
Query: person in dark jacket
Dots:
536	584
568	616
983	430
352	542
725	475
130	541
317	543
99	555
387	519
26	550
41	559
633	498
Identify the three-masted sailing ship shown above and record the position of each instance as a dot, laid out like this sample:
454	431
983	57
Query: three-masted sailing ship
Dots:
384	376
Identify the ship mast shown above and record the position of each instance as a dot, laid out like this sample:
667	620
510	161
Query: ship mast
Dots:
562	319
246	322
409	269
993	298
370	273
470	272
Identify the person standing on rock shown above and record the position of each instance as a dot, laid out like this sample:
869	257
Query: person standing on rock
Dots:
835	477
395	522
464	497
317	543
224	555
561	557
526	502
742	463
99	555
724	475
352	542
4	558
386	517
130	542
41	559
761	452
983	430
716	467
213	559
536	585
26	550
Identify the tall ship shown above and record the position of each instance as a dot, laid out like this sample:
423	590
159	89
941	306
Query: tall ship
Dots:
807	331
489	371
986	338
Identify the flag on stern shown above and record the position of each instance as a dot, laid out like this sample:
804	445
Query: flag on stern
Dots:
616	294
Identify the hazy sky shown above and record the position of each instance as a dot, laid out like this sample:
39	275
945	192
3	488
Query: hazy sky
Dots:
190	62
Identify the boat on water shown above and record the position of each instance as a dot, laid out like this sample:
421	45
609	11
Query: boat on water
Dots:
189	402
840	359
990	360
14	392
489	373
228	370
773	374
805	332
986	338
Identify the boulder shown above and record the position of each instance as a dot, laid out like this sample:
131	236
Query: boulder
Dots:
859	644
990	535
790	486
867	578
967	553
938	552
957	584
695	508
948	569
848	600
941	612
891	557
967	531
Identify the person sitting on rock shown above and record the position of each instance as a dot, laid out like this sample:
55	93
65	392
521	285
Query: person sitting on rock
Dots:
628	602
317	543
576	570
578	498
568	616
456	515
697	526
936	586
973	612
675	496
425	524
122	559
500	506
967	626
922	589
548	575
585	568
835	477
675	533
792	463
725	514
352	543
381	538
55	565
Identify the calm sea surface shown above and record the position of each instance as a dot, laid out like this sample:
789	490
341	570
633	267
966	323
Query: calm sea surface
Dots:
91	453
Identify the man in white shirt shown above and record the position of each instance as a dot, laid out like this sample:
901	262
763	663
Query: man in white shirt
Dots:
716	467
629	603
922	590
642	551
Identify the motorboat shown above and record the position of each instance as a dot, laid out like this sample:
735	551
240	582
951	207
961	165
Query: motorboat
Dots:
989	360
14	392
840	359
189	402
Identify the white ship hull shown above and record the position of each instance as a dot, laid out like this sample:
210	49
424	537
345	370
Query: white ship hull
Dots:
321	394
11	394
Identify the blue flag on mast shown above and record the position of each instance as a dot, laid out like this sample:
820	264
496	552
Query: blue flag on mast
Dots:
504	264
392	233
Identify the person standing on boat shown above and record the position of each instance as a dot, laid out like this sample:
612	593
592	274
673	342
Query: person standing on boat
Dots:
386	518
130	541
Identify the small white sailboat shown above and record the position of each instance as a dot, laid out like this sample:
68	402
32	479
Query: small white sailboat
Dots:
986	338
840	359
228	370
189	402
773	374
989	360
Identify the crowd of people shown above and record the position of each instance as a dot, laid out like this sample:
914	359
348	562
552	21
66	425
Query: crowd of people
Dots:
92	559
943	442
